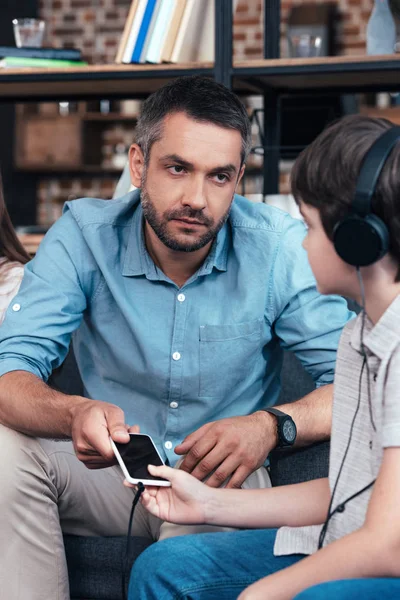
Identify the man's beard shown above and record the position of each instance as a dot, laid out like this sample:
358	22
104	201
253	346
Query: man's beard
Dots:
159	224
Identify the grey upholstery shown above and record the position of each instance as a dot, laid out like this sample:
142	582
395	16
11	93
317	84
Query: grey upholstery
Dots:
95	564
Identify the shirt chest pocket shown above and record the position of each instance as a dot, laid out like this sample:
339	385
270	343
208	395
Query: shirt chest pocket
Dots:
228	354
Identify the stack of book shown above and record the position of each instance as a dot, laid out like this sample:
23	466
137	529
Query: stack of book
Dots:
12	57
168	31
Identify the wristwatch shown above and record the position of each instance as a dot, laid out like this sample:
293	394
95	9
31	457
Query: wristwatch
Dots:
286	427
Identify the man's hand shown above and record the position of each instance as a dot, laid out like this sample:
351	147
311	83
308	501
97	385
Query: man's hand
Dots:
93	422
233	447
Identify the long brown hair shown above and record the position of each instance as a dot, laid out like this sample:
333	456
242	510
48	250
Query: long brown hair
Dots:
10	246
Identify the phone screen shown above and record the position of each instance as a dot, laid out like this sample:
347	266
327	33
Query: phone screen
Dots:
137	454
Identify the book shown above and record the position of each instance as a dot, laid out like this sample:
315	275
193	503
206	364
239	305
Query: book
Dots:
136	22
20	61
149	36
126	32
188	38
175	23
49	53
143	31
160	32
195	41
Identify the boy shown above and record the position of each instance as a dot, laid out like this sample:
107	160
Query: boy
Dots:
342	532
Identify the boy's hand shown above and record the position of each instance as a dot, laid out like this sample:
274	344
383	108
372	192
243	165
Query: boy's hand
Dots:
184	502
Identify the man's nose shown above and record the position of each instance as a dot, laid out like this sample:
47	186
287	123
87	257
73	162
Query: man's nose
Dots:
195	196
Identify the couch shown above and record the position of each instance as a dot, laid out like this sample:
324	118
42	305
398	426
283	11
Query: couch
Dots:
95	564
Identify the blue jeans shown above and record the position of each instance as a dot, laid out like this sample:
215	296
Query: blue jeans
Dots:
218	566
206	566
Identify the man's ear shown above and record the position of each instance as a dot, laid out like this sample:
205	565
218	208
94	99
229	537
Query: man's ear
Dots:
136	165
241	173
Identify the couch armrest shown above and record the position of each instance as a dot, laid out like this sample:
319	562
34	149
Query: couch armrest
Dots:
302	464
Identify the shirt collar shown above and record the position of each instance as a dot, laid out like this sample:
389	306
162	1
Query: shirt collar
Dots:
138	261
379	339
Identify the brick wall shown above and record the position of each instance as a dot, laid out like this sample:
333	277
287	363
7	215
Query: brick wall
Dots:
95	26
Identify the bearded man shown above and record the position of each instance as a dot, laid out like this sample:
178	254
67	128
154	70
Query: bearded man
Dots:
181	297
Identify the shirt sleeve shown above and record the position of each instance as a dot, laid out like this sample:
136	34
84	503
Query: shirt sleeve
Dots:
306	322
49	306
391	403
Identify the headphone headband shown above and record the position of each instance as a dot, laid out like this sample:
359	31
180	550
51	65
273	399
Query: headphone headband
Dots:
371	169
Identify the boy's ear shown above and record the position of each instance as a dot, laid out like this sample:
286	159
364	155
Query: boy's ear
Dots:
136	165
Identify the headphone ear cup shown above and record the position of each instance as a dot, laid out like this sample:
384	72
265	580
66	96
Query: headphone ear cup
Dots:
361	241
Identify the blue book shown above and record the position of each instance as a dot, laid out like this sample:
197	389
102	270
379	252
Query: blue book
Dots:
144	27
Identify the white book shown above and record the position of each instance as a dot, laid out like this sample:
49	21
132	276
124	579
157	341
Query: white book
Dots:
160	32
189	33
137	21
195	41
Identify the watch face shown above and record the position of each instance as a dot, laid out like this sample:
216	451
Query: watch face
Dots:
289	431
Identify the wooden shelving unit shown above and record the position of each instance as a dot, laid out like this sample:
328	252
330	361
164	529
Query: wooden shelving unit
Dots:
339	74
270	77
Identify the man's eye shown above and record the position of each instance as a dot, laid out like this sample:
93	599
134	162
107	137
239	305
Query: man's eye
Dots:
221	177
176	169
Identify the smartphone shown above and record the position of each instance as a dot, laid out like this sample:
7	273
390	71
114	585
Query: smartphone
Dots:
135	455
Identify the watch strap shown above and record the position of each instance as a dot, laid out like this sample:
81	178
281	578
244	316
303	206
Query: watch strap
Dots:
276	412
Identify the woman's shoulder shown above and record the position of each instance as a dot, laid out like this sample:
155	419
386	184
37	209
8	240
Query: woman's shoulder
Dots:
11	273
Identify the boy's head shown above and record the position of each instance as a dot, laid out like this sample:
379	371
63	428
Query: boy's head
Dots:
324	180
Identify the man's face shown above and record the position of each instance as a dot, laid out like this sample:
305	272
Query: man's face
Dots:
188	186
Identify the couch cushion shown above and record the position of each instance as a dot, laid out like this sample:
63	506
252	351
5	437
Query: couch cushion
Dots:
95	565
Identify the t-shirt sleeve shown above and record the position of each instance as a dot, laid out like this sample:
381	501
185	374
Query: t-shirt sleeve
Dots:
391	403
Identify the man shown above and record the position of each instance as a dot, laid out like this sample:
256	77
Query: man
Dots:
181	298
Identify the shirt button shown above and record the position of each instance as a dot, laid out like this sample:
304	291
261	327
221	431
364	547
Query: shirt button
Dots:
174	405
176	356
181	297
16	307
168	445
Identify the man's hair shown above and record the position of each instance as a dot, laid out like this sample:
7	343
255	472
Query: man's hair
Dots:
203	100
325	175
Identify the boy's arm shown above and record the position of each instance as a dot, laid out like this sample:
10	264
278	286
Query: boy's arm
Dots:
372	551
290	505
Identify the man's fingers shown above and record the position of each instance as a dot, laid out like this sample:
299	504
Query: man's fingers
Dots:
134	429
197	453
191	439
211	461
239	476
223	472
116	425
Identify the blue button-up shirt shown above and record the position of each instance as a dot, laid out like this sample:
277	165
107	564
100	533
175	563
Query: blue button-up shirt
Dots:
172	358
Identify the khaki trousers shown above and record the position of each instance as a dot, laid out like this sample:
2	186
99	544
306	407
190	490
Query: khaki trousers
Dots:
46	491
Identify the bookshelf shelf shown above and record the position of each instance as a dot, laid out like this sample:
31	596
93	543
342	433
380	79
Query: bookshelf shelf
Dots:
338	74
99	81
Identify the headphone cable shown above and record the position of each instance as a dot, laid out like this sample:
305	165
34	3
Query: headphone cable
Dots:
139	492
340	508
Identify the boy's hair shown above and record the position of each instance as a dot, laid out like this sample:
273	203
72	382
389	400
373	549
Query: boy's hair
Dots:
203	100
325	175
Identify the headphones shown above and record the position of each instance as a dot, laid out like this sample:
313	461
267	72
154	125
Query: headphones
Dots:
362	238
